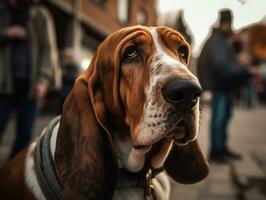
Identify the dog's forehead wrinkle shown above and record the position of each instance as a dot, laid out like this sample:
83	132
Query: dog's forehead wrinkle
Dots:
159	49
162	62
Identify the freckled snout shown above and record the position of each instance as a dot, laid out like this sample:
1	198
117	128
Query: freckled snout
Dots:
181	92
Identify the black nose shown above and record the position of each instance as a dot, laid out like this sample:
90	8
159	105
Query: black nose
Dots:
181	92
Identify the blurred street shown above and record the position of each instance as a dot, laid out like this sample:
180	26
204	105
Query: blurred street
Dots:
247	136
46	44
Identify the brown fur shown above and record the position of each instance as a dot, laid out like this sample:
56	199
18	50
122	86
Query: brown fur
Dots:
12	183
187	164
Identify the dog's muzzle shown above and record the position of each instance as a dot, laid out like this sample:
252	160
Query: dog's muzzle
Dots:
181	93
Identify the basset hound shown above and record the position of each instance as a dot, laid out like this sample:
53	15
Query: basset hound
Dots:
131	118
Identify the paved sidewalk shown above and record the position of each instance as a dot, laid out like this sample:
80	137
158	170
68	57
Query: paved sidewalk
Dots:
9	136
247	134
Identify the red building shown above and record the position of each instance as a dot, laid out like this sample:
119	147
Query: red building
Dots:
83	24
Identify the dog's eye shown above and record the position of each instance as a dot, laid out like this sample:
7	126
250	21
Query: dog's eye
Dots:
183	51
131	54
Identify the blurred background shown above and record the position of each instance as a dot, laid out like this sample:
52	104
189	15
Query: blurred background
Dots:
81	25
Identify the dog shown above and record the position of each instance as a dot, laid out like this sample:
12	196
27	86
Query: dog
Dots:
130	121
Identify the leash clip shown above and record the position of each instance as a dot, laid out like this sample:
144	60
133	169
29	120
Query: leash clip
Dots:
149	188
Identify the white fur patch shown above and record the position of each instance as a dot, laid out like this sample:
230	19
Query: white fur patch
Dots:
162	186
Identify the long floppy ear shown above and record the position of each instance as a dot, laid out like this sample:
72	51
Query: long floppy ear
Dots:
186	164
85	156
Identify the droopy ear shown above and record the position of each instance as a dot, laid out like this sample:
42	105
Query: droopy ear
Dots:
187	164
84	154
95	91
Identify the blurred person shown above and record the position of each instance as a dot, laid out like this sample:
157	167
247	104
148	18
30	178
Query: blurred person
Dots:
261	84
27	61
241	47
221	73
249	90
183	28
69	74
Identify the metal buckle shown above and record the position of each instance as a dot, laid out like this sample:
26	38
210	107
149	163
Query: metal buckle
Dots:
149	189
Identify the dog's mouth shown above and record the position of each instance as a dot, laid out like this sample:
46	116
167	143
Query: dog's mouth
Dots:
181	133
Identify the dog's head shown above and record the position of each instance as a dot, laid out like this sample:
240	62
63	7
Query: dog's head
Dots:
139	92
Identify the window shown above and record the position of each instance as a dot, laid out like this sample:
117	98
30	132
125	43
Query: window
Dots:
142	17
123	11
100	1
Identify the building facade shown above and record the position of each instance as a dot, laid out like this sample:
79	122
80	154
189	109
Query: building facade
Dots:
83	24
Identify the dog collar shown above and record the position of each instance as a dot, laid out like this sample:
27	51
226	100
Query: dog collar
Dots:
142	179
44	165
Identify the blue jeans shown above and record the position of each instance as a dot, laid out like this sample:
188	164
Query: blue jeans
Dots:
222	104
250	94
26	110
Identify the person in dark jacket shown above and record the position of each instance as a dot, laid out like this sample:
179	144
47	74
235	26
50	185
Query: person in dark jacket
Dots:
221	73
28	59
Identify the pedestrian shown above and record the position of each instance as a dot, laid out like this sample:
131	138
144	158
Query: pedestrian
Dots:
221	73
69	74
27	64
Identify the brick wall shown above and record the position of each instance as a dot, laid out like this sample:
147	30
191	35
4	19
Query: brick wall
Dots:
103	14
